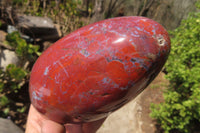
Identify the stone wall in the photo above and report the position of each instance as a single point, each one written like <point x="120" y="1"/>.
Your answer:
<point x="167" y="12"/>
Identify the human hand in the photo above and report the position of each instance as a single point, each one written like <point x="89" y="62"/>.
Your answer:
<point x="38" y="123"/>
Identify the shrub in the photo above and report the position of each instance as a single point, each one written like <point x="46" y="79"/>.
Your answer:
<point x="14" y="80"/>
<point x="181" y="110"/>
<point x="25" y="51"/>
<point x="11" y="82"/>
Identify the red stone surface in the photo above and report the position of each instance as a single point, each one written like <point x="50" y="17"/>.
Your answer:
<point x="97" y="69"/>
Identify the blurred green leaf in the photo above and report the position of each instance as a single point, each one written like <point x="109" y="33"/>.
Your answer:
<point x="21" y="110"/>
<point x="6" y="111"/>
<point x="1" y="86"/>
<point x="12" y="39"/>
<point x="4" y="100"/>
<point x="16" y="72"/>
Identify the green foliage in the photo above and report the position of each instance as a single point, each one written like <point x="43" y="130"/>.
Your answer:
<point x="23" y="50"/>
<point x="18" y="2"/>
<point x="12" y="39"/>
<point x="21" y="110"/>
<point x="15" y="73"/>
<point x="13" y="79"/>
<point x="4" y="101"/>
<point x="11" y="82"/>
<point x="181" y="110"/>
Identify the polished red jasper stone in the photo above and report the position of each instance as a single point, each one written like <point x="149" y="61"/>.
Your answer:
<point x="97" y="69"/>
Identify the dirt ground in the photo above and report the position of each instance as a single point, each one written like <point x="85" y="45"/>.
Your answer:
<point x="134" y="116"/>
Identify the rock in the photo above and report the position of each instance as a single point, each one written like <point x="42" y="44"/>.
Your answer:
<point x="37" y="27"/>
<point x="2" y="35"/>
<point x="123" y="120"/>
<point x="169" y="13"/>
<point x="7" y="57"/>
<point x="34" y="21"/>
<point x="11" y="29"/>
<point x="107" y="64"/>
<point x="7" y="126"/>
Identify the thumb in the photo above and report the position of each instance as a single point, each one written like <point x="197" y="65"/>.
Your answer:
<point x="49" y="126"/>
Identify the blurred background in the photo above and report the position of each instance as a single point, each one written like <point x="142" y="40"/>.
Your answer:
<point x="170" y="104"/>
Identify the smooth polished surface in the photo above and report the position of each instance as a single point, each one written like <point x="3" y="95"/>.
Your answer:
<point x="97" y="69"/>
